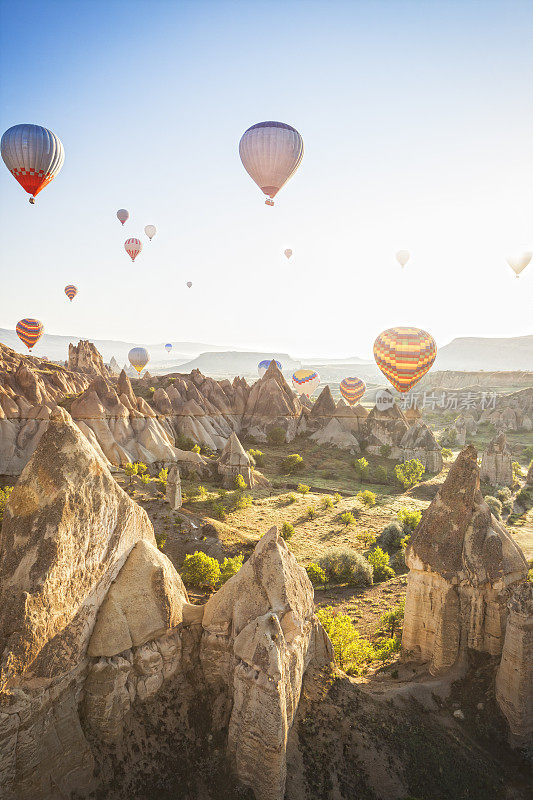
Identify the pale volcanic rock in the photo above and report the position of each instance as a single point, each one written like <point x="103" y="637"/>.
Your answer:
<point x="462" y="563"/>
<point x="334" y="434"/>
<point x="271" y="403"/>
<point x="497" y="463"/>
<point x="84" y="357"/>
<point x="235" y="461"/>
<point x="419" y="442"/>
<point x="324" y="406"/>
<point x="385" y="427"/>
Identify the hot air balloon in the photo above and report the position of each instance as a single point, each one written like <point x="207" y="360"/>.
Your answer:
<point x="150" y="231"/>
<point x="123" y="215"/>
<point x="139" y="358"/>
<point x="71" y="292"/>
<point x="402" y="257"/>
<point x="305" y="381"/>
<point x="29" y="331"/>
<point x="168" y="347"/>
<point x="33" y="155"/>
<point x="189" y="284"/>
<point x="271" y="153"/>
<point x="288" y="253"/>
<point x="352" y="389"/>
<point x="133" y="247"/>
<point x="519" y="263"/>
<point x="264" y="365"/>
<point x="404" y="355"/>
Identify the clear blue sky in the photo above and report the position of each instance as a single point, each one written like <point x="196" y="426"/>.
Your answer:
<point x="418" y="128"/>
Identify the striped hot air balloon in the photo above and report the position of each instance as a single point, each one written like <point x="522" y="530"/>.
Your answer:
<point x="123" y="215"/>
<point x="133" y="247"/>
<point x="139" y="358"/>
<point x="264" y="365"/>
<point x="71" y="292"/>
<point x="404" y="355"/>
<point x="305" y="381"/>
<point x="168" y="347"/>
<point x="29" y="331"/>
<point x="271" y="152"/>
<point x="352" y="389"/>
<point x="33" y="155"/>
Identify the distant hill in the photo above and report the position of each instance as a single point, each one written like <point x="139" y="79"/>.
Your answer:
<point x="475" y="353"/>
<point x="233" y="362"/>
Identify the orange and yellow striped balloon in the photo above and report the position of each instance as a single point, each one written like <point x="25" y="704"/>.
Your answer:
<point x="404" y="355"/>
<point x="29" y="331"/>
<point x="71" y="292"/>
<point x="352" y="389"/>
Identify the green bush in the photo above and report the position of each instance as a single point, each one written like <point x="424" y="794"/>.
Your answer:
<point x="4" y="497"/>
<point x="381" y="474"/>
<point x="302" y="488"/>
<point x="291" y="498"/>
<point x="361" y="468"/>
<point x="130" y="470"/>
<point x="384" y="648"/>
<point x="505" y="497"/>
<point x="258" y="457"/>
<point x="385" y="450"/>
<point x="276" y="436"/>
<point x="160" y="539"/>
<point x="391" y="621"/>
<point x="292" y="463"/>
<point x="409" y="518"/>
<point x="347" y="518"/>
<point x="310" y="512"/>
<point x="239" y="482"/>
<point x="184" y="442"/>
<point x="141" y="467"/>
<point x="327" y="502"/>
<point x="344" y="565"/>
<point x="145" y="478"/>
<point x="495" y="506"/>
<point x="197" y="449"/>
<point x="219" y="511"/>
<point x="367" y="498"/>
<point x="202" y="493"/>
<point x="446" y="454"/>
<point x="163" y="477"/>
<point x="391" y="536"/>
<point x="287" y="530"/>
<point x="352" y="652"/>
<point x="517" y="471"/>
<point x="410" y="472"/>
<point x="337" y="498"/>
<point x="379" y="560"/>
<point x="230" y="567"/>
<point x="242" y="501"/>
<point x="200" y="571"/>
<point x="316" y="574"/>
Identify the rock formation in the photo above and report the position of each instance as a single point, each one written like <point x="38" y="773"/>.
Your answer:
<point x="462" y="564"/>
<point x="114" y="367"/>
<point x="385" y="428"/>
<point x="419" y="442"/>
<point x="235" y="461"/>
<point x="100" y="646"/>
<point x="270" y="404"/>
<point x="464" y="425"/>
<point x="497" y="463"/>
<point x="529" y="476"/>
<point x="173" y="491"/>
<point x="84" y="357"/>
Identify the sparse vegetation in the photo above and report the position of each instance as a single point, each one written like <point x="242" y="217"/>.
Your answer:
<point x="327" y="502"/>
<point x="302" y="488"/>
<point x="409" y="473"/>
<point x="276" y="436"/>
<point x="4" y="497"/>
<point x="367" y="498"/>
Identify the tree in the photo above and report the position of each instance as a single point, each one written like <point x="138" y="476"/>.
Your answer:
<point x="409" y="518"/>
<point x="292" y="463"/>
<point x="257" y="456"/>
<point x="230" y="567"/>
<point x="361" y="468"/>
<point x="131" y="470"/>
<point x="367" y="498"/>
<point x="200" y="571"/>
<point x="345" y="565"/>
<point x="352" y="652"/>
<point x="391" y="621"/>
<point x="163" y="477"/>
<point x="379" y="560"/>
<point x="410" y="472"/>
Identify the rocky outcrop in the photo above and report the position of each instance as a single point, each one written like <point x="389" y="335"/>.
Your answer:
<point x="419" y="442"/>
<point x="497" y="463"/>
<point x="385" y="428"/>
<point x="334" y="434"/>
<point x="173" y="490"/>
<point x="270" y="404"/>
<point x="462" y="564"/>
<point x="464" y="425"/>
<point x="235" y="461"/>
<point x="84" y="357"/>
<point x="514" y="681"/>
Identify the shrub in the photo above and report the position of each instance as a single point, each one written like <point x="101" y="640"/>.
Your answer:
<point x="258" y="457"/>
<point x="163" y="477"/>
<point x="524" y="498"/>
<point x="310" y="512"/>
<point x="392" y="620"/>
<point x="200" y="571"/>
<point x="230" y="567"/>
<point x="145" y="478"/>
<point x="276" y="436"/>
<point x="367" y="498"/>
<point x="239" y="482"/>
<point x="219" y="511"/>
<point x="202" y="493"/>
<point x="446" y="453"/>
<point x="243" y="501"/>
<point x="495" y="506"/>
<point x="141" y="467"/>
<point x="448" y="438"/>
<point x="385" y="450"/>
<point x="361" y="467"/>
<point x="287" y="531"/>
<point x="344" y="565"/>
<point x="384" y="648"/>
<point x="517" y="471"/>
<point x="316" y="574"/>
<point x="381" y="475"/>
<point x="347" y="518"/>
<point x="196" y="449"/>
<point x="409" y="519"/>
<point x="184" y="442"/>
<point x="160" y="539"/>
<point x="397" y="562"/>
<point x="391" y="536"/>
<point x="302" y="488"/>
<point x="327" y="502"/>
<point x="130" y="470"/>
<point x="379" y="560"/>
<point x="337" y="498"/>
<point x="291" y="498"/>
<point x="505" y="497"/>
<point x="4" y="497"/>
<point x="352" y="652"/>
<point x="410" y="472"/>
<point x="292" y="463"/>
<point x="367" y="538"/>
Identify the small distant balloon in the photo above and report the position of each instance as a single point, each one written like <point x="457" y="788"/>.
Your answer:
<point x="133" y="247"/>
<point x="29" y="331"/>
<point x="189" y="284"/>
<point x="264" y="365"/>
<point x="519" y="263"/>
<point x="168" y="347"/>
<point x="305" y="381"/>
<point x="271" y="152"/>
<point x="139" y="358"/>
<point x="150" y="231"/>
<point x="288" y="253"/>
<point x="123" y="215"/>
<point x="71" y="292"/>
<point x="352" y="389"/>
<point x="33" y="155"/>
<point x="402" y="257"/>
<point x="404" y="355"/>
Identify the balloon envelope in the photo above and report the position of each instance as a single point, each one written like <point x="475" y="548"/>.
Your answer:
<point x="189" y="284"/>
<point x="150" y="231"/>
<point x="168" y="347"/>
<point x="33" y="155"/>
<point x="133" y="247"/>
<point x="402" y="257"/>
<point x="519" y="263"/>
<point x="139" y="358"/>
<point x="29" y="331"/>
<point x="264" y="365"/>
<point x="271" y="152"/>
<point x="404" y="355"/>
<point x="122" y="215"/>
<point x="352" y="389"/>
<point x="305" y="381"/>
<point x="71" y="292"/>
<point x="288" y="253"/>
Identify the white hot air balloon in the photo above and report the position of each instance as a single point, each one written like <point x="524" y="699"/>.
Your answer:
<point x="139" y="358"/>
<point x="519" y="263"/>
<point x="288" y="253"/>
<point x="122" y="215"/>
<point x="133" y="247"/>
<point x="150" y="231"/>
<point x="271" y="152"/>
<point x="189" y="284"/>
<point x="402" y="257"/>
<point x="33" y="155"/>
